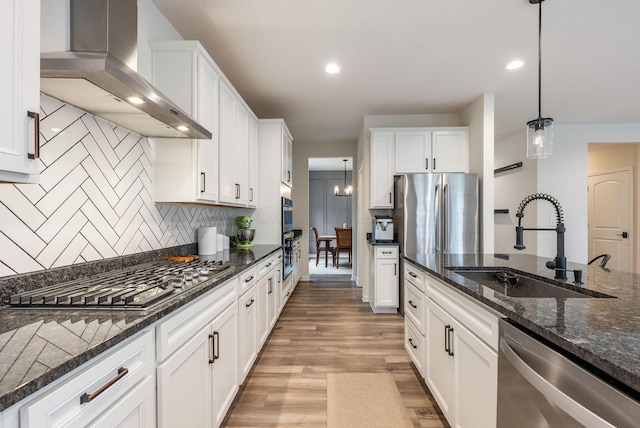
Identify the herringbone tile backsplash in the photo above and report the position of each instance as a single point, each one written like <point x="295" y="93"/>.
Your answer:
<point x="94" y="200"/>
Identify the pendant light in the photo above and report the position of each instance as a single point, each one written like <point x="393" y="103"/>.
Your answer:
<point x="540" y="130"/>
<point x="347" y="191"/>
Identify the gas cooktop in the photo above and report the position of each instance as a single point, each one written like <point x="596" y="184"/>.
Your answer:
<point x="138" y="287"/>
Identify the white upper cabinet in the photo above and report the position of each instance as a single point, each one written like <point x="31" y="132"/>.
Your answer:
<point x="287" y="159"/>
<point x="450" y="150"/>
<point x="432" y="150"/>
<point x="253" y="162"/>
<point x="187" y="170"/>
<point x="234" y="148"/>
<point x="382" y="143"/>
<point x="20" y="83"/>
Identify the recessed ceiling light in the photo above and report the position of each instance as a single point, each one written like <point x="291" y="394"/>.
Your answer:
<point x="332" y="69"/>
<point x="182" y="128"/>
<point x="513" y="65"/>
<point x="135" y="100"/>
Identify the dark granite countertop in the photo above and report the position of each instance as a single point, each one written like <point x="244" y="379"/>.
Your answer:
<point x="39" y="346"/>
<point x="603" y="332"/>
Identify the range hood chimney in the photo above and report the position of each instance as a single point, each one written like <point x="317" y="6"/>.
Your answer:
<point x="95" y="77"/>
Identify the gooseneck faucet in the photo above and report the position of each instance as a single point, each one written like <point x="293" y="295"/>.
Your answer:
<point x="560" y="262"/>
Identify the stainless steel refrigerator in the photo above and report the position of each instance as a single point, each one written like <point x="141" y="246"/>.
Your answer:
<point x="436" y="214"/>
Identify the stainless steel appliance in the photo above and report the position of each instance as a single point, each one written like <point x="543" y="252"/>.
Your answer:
<point x="287" y="236"/>
<point x="139" y="287"/>
<point x="539" y="387"/>
<point x="436" y="214"/>
<point x="382" y="228"/>
<point x="94" y="74"/>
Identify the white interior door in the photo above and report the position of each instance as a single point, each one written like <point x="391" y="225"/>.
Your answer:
<point x="611" y="218"/>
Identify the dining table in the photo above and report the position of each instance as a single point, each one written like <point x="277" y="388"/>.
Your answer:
<point x="326" y="239"/>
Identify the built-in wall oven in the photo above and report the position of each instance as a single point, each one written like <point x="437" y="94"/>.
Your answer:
<point x="287" y="236"/>
<point x="539" y="387"/>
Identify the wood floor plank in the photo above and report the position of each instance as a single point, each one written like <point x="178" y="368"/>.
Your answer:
<point x="326" y="328"/>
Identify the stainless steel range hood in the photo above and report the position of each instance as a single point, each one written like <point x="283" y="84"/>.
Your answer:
<point x="95" y="77"/>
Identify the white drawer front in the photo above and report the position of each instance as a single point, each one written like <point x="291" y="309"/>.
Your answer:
<point x="77" y="401"/>
<point x="414" y="304"/>
<point x="267" y="265"/>
<point x="414" y="275"/>
<point x="179" y="327"/>
<point x="476" y="318"/>
<point x="414" y="344"/>
<point x="386" y="252"/>
<point x="247" y="279"/>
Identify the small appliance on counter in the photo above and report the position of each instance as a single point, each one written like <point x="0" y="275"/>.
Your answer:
<point x="245" y="234"/>
<point x="382" y="228"/>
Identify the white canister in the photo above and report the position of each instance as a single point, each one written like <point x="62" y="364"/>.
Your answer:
<point x="207" y="240"/>
<point x="226" y="242"/>
<point x="220" y="242"/>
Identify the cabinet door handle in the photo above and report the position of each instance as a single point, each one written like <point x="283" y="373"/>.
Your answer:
<point x="412" y="305"/>
<point x="249" y="304"/>
<point x="450" y="341"/>
<point x="427" y="163"/>
<point x="395" y="269"/>
<point x="389" y="197"/>
<point x="237" y="191"/>
<point x="446" y="338"/>
<point x="87" y="398"/>
<point x="412" y="274"/>
<point x="411" y="342"/>
<point x="434" y="164"/>
<point x="36" y="137"/>
<point x="203" y="182"/>
<point x="251" y="193"/>
<point x="288" y="176"/>
<point x="270" y="288"/>
<point x="215" y="343"/>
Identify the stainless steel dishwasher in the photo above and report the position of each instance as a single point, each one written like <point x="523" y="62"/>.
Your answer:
<point x="539" y="387"/>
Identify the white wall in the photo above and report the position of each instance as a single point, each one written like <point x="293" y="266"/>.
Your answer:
<point x="479" y="117"/>
<point x="564" y="176"/>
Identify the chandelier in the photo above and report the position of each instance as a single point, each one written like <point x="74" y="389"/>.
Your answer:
<point x="346" y="190"/>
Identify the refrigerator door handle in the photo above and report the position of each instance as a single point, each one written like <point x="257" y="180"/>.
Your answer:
<point x="437" y="217"/>
<point x="445" y="218"/>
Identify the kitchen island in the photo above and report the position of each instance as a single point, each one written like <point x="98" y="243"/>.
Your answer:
<point x="602" y="332"/>
<point x="39" y="346"/>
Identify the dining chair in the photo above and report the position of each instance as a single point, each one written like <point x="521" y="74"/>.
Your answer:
<point x="343" y="243"/>
<point x="326" y="247"/>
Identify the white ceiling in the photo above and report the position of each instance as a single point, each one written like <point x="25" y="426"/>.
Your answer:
<point x="330" y="164"/>
<point x="420" y="57"/>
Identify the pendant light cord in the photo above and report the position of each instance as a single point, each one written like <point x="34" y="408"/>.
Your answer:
<point x="540" y="59"/>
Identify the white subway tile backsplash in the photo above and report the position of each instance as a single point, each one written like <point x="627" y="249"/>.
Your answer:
<point x="94" y="200"/>
<point x="15" y="201"/>
<point x="57" y="221"/>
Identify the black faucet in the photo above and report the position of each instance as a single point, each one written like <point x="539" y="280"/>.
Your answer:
<point x="559" y="264"/>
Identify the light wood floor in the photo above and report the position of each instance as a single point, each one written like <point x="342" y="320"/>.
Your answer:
<point x="325" y="328"/>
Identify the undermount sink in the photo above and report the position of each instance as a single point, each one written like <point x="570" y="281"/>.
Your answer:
<point x="514" y="284"/>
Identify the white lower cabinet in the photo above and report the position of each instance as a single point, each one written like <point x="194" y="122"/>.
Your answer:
<point x="266" y="310"/>
<point x="117" y="389"/>
<point x="384" y="292"/>
<point x="248" y="317"/>
<point x="461" y="365"/>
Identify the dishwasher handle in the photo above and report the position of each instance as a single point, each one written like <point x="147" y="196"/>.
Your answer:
<point x="556" y="397"/>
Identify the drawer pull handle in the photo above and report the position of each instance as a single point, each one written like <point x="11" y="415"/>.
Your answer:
<point x="249" y="279"/>
<point x="87" y="398"/>
<point x="413" y="274"/>
<point x="249" y="304"/>
<point x="269" y="264"/>
<point x="386" y="252"/>
<point x="412" y="305"/>
<point x="411" y="342"/>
